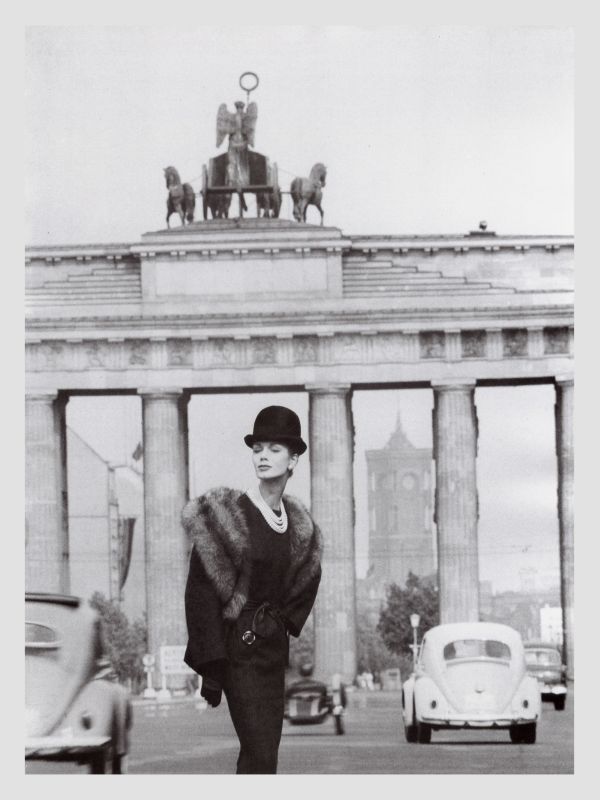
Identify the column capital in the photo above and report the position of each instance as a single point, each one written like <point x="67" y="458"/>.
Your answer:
<point x="156" y="392"/>
<point x="328" y="388"/>
<point x="453" y="384"/>
<point x="564" y="380"/>
<point x="41" y="395"/>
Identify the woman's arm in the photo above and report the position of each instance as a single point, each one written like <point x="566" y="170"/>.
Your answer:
<point x="204" y="617"/>
<point x="295" y="612"/>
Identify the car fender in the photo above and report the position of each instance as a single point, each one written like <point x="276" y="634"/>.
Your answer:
<point x="408" y="690"/>
<point x="426" y="692"/>
<point x="528" y="690"/>
<point x="102" y="708"/>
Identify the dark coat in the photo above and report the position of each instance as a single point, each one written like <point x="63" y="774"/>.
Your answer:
<point x="220" y="567"/>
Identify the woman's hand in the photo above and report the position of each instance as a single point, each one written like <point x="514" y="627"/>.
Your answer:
<point x="211" y="691"/>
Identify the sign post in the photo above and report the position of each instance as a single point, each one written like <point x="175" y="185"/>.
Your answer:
<point x="171" y="663"/>
<point x="148" y="662"/>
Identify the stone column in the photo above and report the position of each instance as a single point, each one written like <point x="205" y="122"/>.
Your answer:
<point x="565" y="456"/>
<point x="331" y="436"/>
<point x="456" y="505"/>
<point x="46" y="516"/>
<point x="164" y="415"/>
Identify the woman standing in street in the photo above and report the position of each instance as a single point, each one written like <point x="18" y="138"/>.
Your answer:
<point x="254" y="572"/>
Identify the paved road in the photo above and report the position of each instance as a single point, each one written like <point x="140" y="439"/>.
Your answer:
<point x="184" y="738"/>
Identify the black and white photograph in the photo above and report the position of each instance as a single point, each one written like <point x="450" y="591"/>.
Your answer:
<point x="299" y="398"/>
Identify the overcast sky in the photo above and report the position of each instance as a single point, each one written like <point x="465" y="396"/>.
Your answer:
<point x="423" y="130"/>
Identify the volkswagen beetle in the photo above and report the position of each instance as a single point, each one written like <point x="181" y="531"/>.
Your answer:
<point x="471" y="675"/>
<point x="545" y="664"/>
<point x="74" y="710"/>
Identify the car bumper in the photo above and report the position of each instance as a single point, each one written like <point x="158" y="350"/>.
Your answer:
<point x="477" y="721"/>
<point x="553" y="689"/>
<point x="59" y="747"/>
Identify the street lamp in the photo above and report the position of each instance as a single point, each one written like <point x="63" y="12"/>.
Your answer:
<point x="414" y="622"/>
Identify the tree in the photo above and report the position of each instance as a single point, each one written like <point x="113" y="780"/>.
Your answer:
<point x="125" y="642"/>
<point x="420" y="596"/>
<point x="372" y="653"/>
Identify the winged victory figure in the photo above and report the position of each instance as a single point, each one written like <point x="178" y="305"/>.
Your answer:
<point x="240" y="126"/>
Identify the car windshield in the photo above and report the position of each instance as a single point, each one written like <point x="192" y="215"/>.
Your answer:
<point x="543" y="657"/>
<point x="476" y="648"/>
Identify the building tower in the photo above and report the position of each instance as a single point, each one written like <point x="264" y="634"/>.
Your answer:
<point x="400" y="497"/>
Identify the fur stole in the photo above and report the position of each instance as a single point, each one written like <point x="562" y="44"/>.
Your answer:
<point x="218" y="530"/>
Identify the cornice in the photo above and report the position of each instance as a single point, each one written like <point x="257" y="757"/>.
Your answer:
<point x="298" y="240"/>
<point x="303" y="323"/>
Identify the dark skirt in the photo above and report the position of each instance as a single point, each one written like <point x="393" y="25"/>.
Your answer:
<point x="254" y="688"/>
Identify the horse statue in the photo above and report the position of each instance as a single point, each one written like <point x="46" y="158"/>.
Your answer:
<point x="181" y="199"/>
<point x="307" y="192"/>
<point x="268" y="204"/>
<point x="219" y="205"/>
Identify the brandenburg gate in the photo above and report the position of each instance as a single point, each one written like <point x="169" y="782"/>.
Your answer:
<point x="270" y="304"/>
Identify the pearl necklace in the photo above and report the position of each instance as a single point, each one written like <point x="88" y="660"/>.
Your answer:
<point x="279" y="524"/>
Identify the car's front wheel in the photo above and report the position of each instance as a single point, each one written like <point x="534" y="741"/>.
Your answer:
<point x="559" y="702"/>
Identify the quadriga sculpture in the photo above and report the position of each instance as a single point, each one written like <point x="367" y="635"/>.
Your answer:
<point x="308" y="192"/>
<point x="181" y="199"/>
<point x="219" y="205"/>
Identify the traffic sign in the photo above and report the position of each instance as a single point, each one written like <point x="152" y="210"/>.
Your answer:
<point x="171" y="660"/>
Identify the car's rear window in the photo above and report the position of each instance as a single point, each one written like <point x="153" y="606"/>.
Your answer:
<point x="38" y="635"/>
<point x="544" y="657"/>
<point x="476" y="648"/>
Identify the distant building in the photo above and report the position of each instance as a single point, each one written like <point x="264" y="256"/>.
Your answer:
<point x="551" y="624"/>
<point x="521" y="610"/>
<point x="400" y="501"/>
<point x="106" y="528"/>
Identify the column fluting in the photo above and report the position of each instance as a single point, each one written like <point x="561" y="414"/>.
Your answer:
<point x="331" y="435"/>
<point x="46" y="518"/>
<point x="456" y="504"/>
<point x="164" y="414"/>
<point x="565" y="456"/>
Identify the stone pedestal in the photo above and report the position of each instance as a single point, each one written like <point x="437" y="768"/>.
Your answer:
<point x="565" y="456"/>
<point x="165" y="493"/>
<point x="46" y="517"/>
<point x="456" y="507"/>
<point x="331" y="455"/>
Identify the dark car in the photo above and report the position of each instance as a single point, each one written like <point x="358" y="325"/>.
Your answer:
<point x="544" y="662"/>
<point x="309" y="701"/>
<point x="74" y="709"/>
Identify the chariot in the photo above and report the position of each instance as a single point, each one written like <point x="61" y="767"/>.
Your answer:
<point x="263" y="182"/>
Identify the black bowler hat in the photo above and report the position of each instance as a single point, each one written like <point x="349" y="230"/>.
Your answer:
<point x="277" y="424"/>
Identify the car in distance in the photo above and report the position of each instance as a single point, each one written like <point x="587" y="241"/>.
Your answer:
<point x="310" y="702"/>
<point x="471" y="675"/>
<point x="544" y="662"/>
<point x="74" y="710"/>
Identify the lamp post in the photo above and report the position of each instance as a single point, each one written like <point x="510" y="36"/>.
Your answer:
<point x="414" y="622"/>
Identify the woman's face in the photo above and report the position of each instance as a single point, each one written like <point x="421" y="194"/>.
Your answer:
<point x="272" y="460"/>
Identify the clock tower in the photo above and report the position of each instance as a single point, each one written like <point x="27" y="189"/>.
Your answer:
<point x="400" y="498"/>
